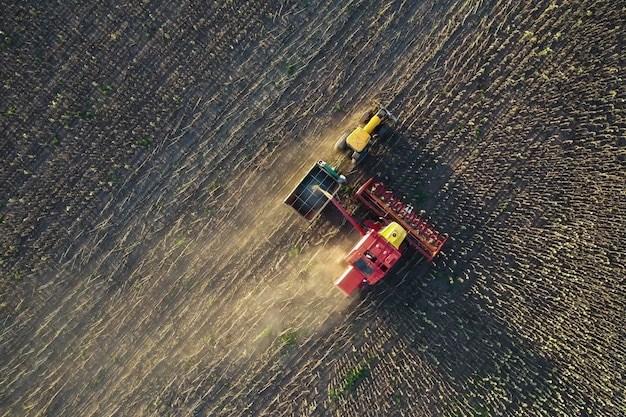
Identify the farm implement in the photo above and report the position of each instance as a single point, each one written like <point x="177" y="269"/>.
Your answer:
<point x="383" y="241"/>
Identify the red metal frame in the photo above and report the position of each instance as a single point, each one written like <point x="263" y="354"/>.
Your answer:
<point x="347" y="215"/>
<point x="381" y="201"/>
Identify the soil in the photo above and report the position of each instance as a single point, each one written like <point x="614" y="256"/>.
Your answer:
<point x="148" y="265"/>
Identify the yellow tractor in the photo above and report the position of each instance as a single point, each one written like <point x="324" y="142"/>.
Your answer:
<point x="374" y="124"/>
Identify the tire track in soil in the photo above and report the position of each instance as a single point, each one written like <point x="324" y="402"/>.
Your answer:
<point x="218" y="407"/>
<point x="493" y="194"/>
<point x="497" y="191"/>
<point x="496" y="340"/>
<point x="86" y="343"/>
<point x="248" y="310"/>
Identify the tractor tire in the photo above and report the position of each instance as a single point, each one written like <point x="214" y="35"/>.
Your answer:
<point x="365" y="118"/>
<point x="384" y="131"/>
<point x="358" y="157"/>
<point x="341" y="144"/>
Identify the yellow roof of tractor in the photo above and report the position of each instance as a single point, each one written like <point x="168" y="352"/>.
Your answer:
<point x="374" y="124"/>
<point x="360" y="137"/>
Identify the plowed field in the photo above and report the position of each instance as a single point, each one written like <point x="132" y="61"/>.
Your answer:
<point x="149" y="267"/>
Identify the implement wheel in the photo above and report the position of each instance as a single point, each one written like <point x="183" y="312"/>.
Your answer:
<point x="341" y="144"/>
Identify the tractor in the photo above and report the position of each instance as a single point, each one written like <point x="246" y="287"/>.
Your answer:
<point x="373" y="124"/>
<point x="383" y="241"/>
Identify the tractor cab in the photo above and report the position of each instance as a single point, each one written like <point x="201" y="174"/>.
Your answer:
<point x="372" y="257"/>
<point x="372" y="123"/>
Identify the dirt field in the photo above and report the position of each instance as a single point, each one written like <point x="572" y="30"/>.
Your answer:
<point x="149" y="267"/>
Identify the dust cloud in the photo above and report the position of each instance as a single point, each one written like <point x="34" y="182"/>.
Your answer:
<point x="282" y="288"/>
<point x="301" y="300"/>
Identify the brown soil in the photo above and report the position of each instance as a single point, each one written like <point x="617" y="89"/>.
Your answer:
<point x="149" y="267"/>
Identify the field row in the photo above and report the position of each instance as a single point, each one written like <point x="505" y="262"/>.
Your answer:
<point x="149" y="266"/>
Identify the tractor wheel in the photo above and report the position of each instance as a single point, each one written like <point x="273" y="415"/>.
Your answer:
<point x="358" y="157"/>
<point x="384" y="131"/>
<point x="341" y="144"/>
<point x="365" y="118"/>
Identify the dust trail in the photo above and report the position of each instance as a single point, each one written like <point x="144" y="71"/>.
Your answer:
<point x="303" y="299"/>
<point x="295" y="292"/>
